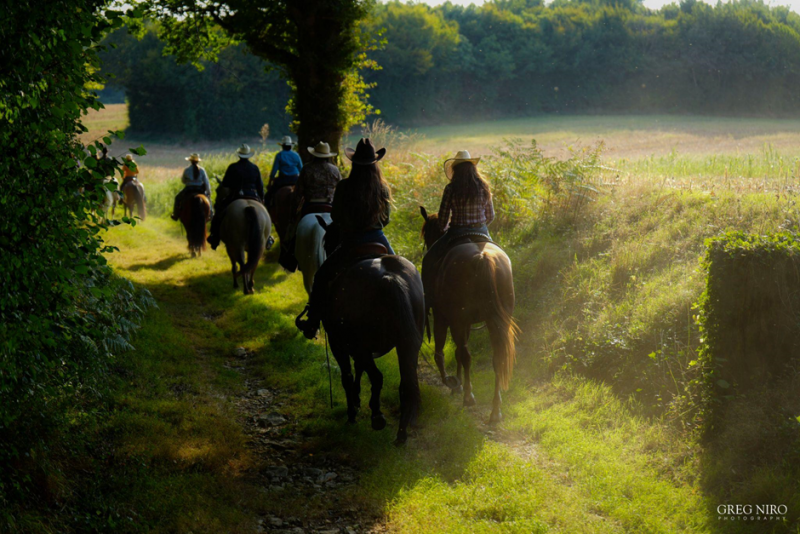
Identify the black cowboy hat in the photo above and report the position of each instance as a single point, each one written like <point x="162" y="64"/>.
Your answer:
<point x="365" y="153"/>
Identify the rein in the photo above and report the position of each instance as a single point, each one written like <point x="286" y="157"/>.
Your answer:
<point x="330" y="380"/>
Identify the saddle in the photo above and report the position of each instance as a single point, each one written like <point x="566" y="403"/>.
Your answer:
<point x="355" y="254"/>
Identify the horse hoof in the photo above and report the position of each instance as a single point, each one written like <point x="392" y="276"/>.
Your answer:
<point x="401" y="439"/>
<point x="469" y="400"/>
<point x="378" y="422"/>
<point x="495" y="418"/>
<point x="452" y="382"/>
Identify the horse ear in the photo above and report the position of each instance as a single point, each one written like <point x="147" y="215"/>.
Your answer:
<point x="322" y="222"/>
<point x="424" y="212"/>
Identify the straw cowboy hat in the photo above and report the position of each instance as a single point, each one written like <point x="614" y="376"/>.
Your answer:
<point x="245" y="151"/>
<point x="322" y="150"/>
<point x="129" y="157"/>
<point x="286" y="141"/>
<point x="365" y="153"/>
<point x="194" y="157"/>
<point x="461" y="157"/>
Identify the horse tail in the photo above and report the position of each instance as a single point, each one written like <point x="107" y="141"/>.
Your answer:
<point x="197" y="225"/>
<point x="503" y="330"/>
<point x="409" y="332"/>
<point x="255" y="239"/>
<point x="140" y="203"/>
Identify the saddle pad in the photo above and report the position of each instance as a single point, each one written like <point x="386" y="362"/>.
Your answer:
<point x="475" y="237"/>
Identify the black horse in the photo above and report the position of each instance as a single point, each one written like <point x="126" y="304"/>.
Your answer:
<point x="374" y="305"/>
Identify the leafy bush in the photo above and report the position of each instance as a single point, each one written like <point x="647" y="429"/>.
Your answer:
<point x="62" y="315"/>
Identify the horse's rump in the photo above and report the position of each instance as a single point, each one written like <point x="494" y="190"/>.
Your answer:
<point x="194" y="214"/>
<point x="377" y="304"/>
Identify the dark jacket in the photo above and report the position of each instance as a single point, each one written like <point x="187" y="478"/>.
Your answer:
<point x="243" y="178"/>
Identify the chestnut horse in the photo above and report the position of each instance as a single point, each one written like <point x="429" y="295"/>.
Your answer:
<point x="376" y="304"/>
<point x="474" y="285"/>
<point x="194" y="215"/>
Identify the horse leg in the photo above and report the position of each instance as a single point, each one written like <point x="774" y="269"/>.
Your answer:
<point x="348" y="383"/>
<point x="407" y="359"/>
<point x="461" y="337"/>
<point x="376" y="382"/>
<point x="359" y="370"/>
<point x="498" y="352"/>
<point x="440" y="338"/>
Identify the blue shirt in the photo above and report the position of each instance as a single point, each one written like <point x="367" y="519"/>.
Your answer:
<point x="287" y="162"/>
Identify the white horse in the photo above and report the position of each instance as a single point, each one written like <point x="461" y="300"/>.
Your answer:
<point x="308" y="247"/>
<point x="110" y="201"/>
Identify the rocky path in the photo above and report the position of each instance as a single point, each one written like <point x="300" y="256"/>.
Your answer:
<point x="292" y="468"/>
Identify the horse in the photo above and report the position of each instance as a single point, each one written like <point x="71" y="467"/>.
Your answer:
<point x="374" y="305"/>
<point x="309" y="249"/>
<point x="474" y="285"/>
<point x="282" y="209"/>
<point x="194" y="215"/>
<point x="133" y="195"/>
<point x="246" y="227"/>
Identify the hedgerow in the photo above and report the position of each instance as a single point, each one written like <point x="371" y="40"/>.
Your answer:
<point x="62" y="313"/>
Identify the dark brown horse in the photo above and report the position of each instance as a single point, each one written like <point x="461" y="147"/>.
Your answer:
<point x="376" y="305"/>
<point x="194" y="215"/>
<point x="474" y="285"/>
<point x="282" y="210"/>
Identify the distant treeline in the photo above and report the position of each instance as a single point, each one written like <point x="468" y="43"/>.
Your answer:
<point x="505" y="58"/>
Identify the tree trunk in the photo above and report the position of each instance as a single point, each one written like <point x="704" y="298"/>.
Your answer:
<point x="317" y="107"/>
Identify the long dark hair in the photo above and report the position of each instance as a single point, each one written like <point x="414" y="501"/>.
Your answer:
<point x="195" y="169"/>
<point x="467" y="183"/>
<point x="372" y="194"/>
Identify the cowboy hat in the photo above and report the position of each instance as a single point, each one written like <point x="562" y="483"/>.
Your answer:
<point x="461" y="157"/>
<point x="286" y="141"/>
<point x="365" y="153"/>
<point x="129" y="157"/>
<point x="194" y="157"/>
<point x="322" y="150"/>
<point x="245" y="151"/>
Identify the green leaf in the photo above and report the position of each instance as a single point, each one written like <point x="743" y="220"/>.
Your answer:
<point x="140" y="151"/>
<point x="723" y="384"/>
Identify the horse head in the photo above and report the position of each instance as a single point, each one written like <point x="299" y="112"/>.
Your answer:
<point x="430" y="228"/>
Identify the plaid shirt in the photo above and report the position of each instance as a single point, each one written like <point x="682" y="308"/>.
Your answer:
<point x="318" y="181"/>
<point x="474" y="211"/>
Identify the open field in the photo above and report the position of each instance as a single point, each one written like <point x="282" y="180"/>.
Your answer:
<point x="626" y="139"/>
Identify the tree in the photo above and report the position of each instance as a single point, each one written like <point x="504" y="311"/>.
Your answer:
<point x="316" y="44"/>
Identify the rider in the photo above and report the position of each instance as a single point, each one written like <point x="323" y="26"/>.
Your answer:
<point x="466" y="206"/>
<point x="288" y="163"/>
<point x="361" y="209"/>
<point x="130" y="171"/>
<point x="242" y="180"/>
<point x="313" y="194"/>
<point x="195" y="180"/>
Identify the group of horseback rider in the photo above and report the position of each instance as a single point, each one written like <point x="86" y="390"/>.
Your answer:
<point x="360" y="206"/>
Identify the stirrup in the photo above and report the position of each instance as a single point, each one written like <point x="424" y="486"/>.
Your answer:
<point x="308" y="326"/>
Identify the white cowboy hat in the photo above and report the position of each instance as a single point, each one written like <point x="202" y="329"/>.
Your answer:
<point x="287" y="140"/>
<point x="195" y="157"/>
<point x="461" y="157"/>
<point x="245" y="151"/>
<point x="129" y="157"/>
<point x="322" y="150"/>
